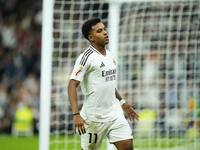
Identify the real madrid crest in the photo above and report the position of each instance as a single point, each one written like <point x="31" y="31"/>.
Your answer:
<point x="91" y="147"/>
<point x="114" y="61"/>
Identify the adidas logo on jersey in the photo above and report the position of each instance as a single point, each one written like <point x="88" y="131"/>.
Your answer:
<point x="102" y="65"/>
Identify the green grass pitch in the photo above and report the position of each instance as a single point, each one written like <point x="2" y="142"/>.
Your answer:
<point x="7" y="142"/>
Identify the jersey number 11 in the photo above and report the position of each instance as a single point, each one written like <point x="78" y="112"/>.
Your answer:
<point x="90" y="139"/>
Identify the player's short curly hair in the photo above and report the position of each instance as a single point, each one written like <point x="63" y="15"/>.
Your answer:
<point x="87" y="26"/>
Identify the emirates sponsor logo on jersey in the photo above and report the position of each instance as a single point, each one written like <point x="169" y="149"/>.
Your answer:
<point x="108" y="72"/>
<point x="109" y="75"/>
<point x="78" y="70"/>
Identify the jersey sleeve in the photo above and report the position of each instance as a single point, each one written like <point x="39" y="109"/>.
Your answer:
<point x="79" y="69"/>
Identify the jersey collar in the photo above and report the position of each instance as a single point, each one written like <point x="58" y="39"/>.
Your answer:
<point x="95" y="49"/>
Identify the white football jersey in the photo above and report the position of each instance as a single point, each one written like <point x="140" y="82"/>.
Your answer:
<point x="97" y="74"/>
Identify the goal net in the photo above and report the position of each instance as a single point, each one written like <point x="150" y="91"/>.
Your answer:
<point x="158" y="60"/>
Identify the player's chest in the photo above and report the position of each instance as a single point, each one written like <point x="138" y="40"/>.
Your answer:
<point x="104" y="66"/>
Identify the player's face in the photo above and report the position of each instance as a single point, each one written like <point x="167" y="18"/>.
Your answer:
<point x="99" y="35"/>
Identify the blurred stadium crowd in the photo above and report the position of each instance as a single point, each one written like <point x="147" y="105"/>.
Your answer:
<point x="164" y="64"/>
<point x="169" y="79"/>
<point x="20" y="50"/>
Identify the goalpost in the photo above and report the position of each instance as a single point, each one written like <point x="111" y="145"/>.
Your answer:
<point x="157" y="48"/>
<point x="46" y="64"/>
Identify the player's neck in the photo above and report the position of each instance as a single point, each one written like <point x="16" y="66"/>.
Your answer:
<point x="101" y="49"/>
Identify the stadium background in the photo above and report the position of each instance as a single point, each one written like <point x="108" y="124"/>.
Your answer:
<point x="20" y="60"/>
<point x="20" y="57"/>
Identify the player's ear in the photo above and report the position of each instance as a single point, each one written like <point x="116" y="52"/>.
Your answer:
<point x="90" y="37"/>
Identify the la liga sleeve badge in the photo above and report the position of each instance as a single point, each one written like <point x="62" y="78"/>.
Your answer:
<point x="78" y="70"/>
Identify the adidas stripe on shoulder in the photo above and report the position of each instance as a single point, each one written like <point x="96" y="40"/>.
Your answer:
<point x="85" y="56"/>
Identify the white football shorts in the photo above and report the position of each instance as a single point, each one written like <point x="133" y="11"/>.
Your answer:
<point x="116" y="130"/>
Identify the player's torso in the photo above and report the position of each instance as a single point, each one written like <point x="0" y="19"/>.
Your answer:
<point x="102" y="74"/>
<point x="99" y="83"/>
<point x="104" y="68"/>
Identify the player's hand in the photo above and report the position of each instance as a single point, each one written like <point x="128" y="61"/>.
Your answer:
<point x="79" y="124"/>
<point x="128" y="109"/>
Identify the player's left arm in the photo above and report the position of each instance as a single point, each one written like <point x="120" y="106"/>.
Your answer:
<point x="128" y="109"/>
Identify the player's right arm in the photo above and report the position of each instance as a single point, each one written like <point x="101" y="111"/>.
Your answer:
<point x="78" y="120"/>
